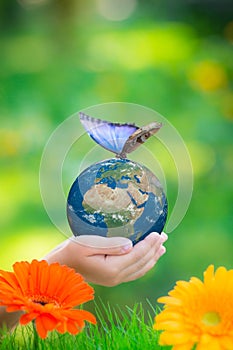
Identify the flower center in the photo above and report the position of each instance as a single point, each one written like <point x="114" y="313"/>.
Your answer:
<point x="43" y="300"/>
<point x="211" y="318"/>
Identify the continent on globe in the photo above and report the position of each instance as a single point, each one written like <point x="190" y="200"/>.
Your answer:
<point x="117" y="197"/>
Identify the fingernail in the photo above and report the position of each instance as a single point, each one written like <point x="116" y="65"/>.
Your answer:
<point x="126" y="248"/>
<point x="162" y="251"/>
<point x="164" y="237"/>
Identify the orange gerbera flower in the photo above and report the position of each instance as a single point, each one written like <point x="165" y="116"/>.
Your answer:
<point x="199" y="313"/>
<point x="48" y="295"/>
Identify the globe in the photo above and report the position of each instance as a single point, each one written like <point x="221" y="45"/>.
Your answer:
<point x="117" y="197"/>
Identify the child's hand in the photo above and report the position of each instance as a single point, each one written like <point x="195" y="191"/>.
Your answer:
<point x="109" y="261"/>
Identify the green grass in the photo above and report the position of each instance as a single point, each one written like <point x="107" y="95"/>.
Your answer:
<point x="115" y="329"/>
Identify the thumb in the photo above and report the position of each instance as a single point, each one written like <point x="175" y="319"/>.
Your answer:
<point x="104" y="245"/>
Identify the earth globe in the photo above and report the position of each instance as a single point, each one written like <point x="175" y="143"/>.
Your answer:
<point x="117" y="196"/>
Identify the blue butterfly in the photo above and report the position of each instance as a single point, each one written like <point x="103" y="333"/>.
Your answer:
<point x="115" y="137"/>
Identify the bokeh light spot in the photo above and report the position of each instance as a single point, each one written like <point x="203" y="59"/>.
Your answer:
<point x="10" y="143"/>
<point x="116" y="10"/>
<point x="227" y="105"/>
<point x="228" y="32"/>
<point x="208" y="76"/>
<point x="32" y="3"/>
<point x="203" y="157"/>
<point x="140" y="48"/>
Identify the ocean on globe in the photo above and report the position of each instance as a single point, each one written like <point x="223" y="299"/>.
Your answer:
<point x="117" y="197"/>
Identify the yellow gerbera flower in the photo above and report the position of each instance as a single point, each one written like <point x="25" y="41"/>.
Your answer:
<point x="199" y="313"/>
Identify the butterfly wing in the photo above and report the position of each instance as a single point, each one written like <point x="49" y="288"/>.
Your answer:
<point x="112" y="136"/>
<point x="139" y="137"/>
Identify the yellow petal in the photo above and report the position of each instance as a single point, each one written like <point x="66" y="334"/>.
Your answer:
<point x="169" y="315"/>
<point x="170" y="301"/>
<point x="186" y="346"/>
<point x="227" y="341"/>
<point x="209" y="274"/>
<point x="170" y="326"/>
<point x="170" y="338"/>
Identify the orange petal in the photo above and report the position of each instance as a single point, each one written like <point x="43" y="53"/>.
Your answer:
<point x="39" y="276"/>
<point x="28" y="317"/>
<point x="78" y="297"/>
<point x="45" y="323"/>
<point x="61" y="327"/>
<point x="73" y="327"/>
<point x="21" y="270"/>
<point x="8" y="280"/>
<point x="77" y="315"/>
<point x="49" y="321"/>
<point x="41" y="330"/>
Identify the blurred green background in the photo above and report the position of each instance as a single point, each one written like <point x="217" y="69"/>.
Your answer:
<point x="58" y="57"/>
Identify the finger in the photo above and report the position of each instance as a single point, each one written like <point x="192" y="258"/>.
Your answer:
<point x="164" y="237"/>
<point x="161" y="251"/>
<point x="156" y="236"/>
<point x="147" y="267"/>
<point x="139" y="256"/>
<point x="104" y="245"/>
<point x="140" y="259"/>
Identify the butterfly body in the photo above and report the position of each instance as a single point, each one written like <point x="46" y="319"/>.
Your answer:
<point x="116" y="137"/>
